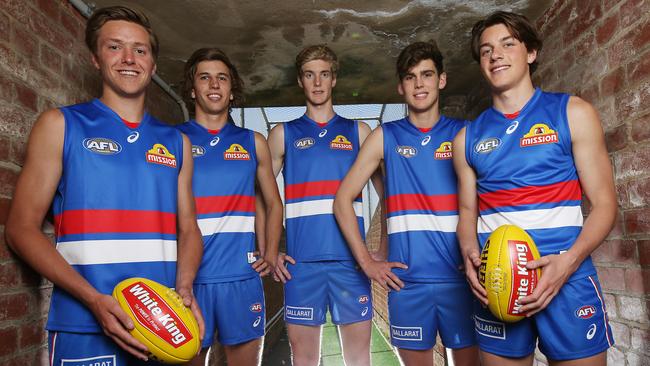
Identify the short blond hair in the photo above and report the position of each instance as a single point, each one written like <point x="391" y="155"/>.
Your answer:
<point x="317" y="52"/>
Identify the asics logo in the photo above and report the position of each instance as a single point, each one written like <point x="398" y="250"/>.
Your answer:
<point x="257" y="321"/>
<point x="214" y="141"/>
<point x="591" y="332"/>
<point x="365" y="311"/>
<point x="323" y="133"/>
<point x="426" y="140"/>
<point x="133" y="137"/>
<point x="513" y="127"/>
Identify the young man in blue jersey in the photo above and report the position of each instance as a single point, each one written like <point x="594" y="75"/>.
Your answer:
<point x="527" y="161"/>
<point x="119" y="184"/>
<point x="228" y="162"/>
<point x="427" y="292"/>
<point x="318" y="270"/>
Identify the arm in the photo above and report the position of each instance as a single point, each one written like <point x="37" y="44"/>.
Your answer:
<point x="467" y="217"/>
<point x="190" y="242"/>
<point x="272" y="201"/>
<point x="597" y="181"/>
<point x="260" y="221"/>
<point x="364" y="166"/>
<point x="35" y="188"/>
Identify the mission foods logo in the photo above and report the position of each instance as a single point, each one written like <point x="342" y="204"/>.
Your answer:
<point x="341" y="142"/>
<point x="487" y="145"/>
<point x="539" y="134"/>
<point x="153" y="313"/>
<point x="304" y="143"/>
<point x="236" y="152"/>
<point x="406" y="151"/>
<point x="102" y="146"/>
<point x="159" y="154"/>
<point x="443" y="152"/>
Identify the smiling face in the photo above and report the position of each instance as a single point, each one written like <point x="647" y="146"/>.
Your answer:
<point x="124" y="58"/>
<point x="421" y="86"/>
<point x="317" y="81"/>
<point x="212" y="88"/>
<point x="504" y="59"/>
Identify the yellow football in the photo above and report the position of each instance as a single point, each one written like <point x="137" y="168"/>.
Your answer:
<point x="162" y="323"/>
<point x="503" y="271"/>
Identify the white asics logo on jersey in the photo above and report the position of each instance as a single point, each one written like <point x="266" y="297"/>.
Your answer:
<point x="591" y="332"/>
<point x="257" y="321"/>
<point x="426" y="140"/>
<point x="214" y="141"/>
<point x="365" y="311"/>
<point x="133" y="137"/>
<point x="322" y="133"/>
<point x="512" y="128"/>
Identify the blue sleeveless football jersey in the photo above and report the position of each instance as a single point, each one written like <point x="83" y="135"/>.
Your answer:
<point x="316" y="161"/>
<point x="115" y="205"/>
<point x="526" y="175"/>
<point x="421" y="200"/>
<point x="225" y="167"/>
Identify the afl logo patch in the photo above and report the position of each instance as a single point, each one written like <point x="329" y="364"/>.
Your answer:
<point x="102" y="146"/>
<point x="487" y="145"/>
<point x="363" y="299"/>
<point x="406" y="151"/>
<point x="304" y="143"/>
<point x="586" y="311"/>
<point x="256" y="308"/>
<point x="444" y="152"/>
<point x="198" y="151"/>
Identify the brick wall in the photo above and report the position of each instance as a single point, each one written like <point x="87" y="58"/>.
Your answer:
<point x="43" y="64"/>
<point x="599" y="51"/>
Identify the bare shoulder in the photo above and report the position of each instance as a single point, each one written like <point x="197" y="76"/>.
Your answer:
<point x="582" y="115"/>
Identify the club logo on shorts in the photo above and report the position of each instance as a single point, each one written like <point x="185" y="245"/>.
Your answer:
<point x="586" y="311"/>
<point x="298" y="313"/>
<point x="539" y="134"/>
<point x="488" y="145"/>
<point x="159" y="154"/>
<point x="341" y="142"/>
<point x="490" y="328"/>
<point x="363" y="299"/>
<point x="108" y="360"/>
<point x="236" y="152"/>
<point x="444" y="151"/>
<point x="406" y="151"/>
<point x="103" y="146"/>
<point x="304" y="143"/>
<point x="406" y="333"/>
<point x="256" y="308"/>
<point x="198" y="151"/>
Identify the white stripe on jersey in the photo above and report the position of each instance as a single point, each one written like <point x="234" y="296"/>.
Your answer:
<point x="227" y="224"/>
<point x="316" y="207"/>
<point x="85" y="252"/>
<point x="551" y="218"/>
<point x="422" y="222"/>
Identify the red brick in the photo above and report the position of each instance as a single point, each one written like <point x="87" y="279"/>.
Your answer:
<point x="9" y="274"/>
<point x="50" y="58"/>
<point x="54" y="35"/>
<point x="14" y="306"/>
<point x="623" y="252"/>
<point x="12" y="62"/>
<point x="4" y="27"/>
<point x="613" y="82"/>
<point x="26" y="97"/>
<point x="607" y="28"/>
<point x="32" y="334"/>
<point x="638" y="192"/>
<point x="635" y="278"/>
<point x="4" y="209"/>
<point x="630" y="164"/>
<point x="643" y="246"/>
<point x="603" y="253"/>
<point x="24" y="41"/>
<point x="18" y="151"/>
<point x="73" y="22"/>
<point x="618" y="230"/>
<point x="609" y="4"/>
<point x="18" y="10"/>
<point x="637" y="221"/>
<point x="633" y="100"/>
<point x="586" y="46"/>
<point x="586" y="13"/>
<point x="641" y="128"/>
<point x="50" y="9"/>
<point x="631" y="10"/>
<point x="622" y="195"/>
<point x="616" y="139"/>
<point x="642" y="36"/>
<point x="9" y="342"/>
<point x="612" y="278"/>
<point x="8" y="179"/>
<point x="639" y="69"/>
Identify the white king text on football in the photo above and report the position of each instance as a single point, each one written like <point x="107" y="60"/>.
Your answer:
<point x="167" y="321"/>
<point x="522" y="275"/>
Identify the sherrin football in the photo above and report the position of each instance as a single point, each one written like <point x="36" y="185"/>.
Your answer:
<point x="161" y="321"/>
<point x="503" y="271"/>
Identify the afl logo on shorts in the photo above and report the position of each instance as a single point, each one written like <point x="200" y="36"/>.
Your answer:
<point x="159" y="154"/>
<point x="363" y="299"/>
<point x="443" y="152"/>
<point x="198" y="151"/>
<point x="539" y="134"/>
<point x="256" y="308"/>
<point x="304" y="143"/>
<point x="341" y="142"/>
<point x="488" y="145"/>
<point x="586" y="312"/>
<point x="406" y="151"/>
<point x="102" y="146"/>
<point x="236" y="152"/>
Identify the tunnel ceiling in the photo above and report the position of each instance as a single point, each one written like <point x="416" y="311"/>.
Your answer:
<point x="262" y="38"/>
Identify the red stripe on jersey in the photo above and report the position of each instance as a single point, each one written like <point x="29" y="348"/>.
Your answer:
<point x="308" y="189"/>
<point x="414" y="201"/>
<point x="215" y="204"/>
<point x="114" y="221"/>
<point x="563" y="191"/>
